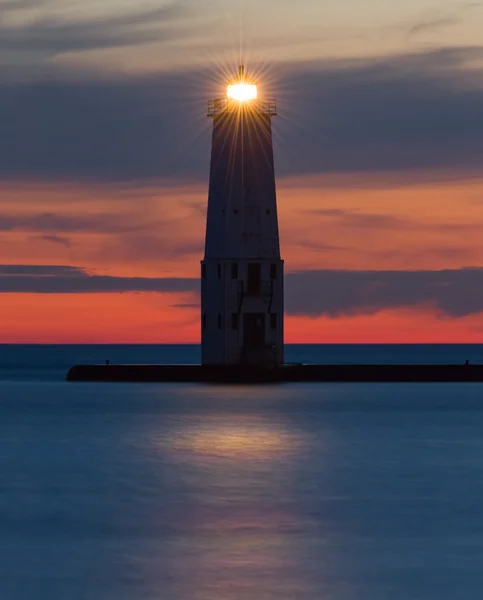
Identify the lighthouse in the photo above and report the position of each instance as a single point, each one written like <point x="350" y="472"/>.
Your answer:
<point x="242" y="304"/>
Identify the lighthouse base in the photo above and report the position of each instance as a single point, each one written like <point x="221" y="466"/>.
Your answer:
<point x="285" y="374"/>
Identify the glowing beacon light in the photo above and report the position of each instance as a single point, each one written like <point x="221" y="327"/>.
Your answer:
<point x="240" y="90"/>
<point x="243" y="92"/>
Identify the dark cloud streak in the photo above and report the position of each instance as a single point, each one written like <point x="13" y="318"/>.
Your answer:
<point x="385" y="222"/>
<point x="432" y="25"/>
<point x="453" y="293"/>
<point x="51" y="222"/>
<point x="449" y="15"/>
<point x="35" y="279"/>
<point x="54" y="239"/>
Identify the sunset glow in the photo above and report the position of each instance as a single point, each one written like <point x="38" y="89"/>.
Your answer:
<point x="105" y="153"/>
<point x="354" y="225"/>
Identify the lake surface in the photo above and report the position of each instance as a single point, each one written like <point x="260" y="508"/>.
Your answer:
<point x="167" y="492"/>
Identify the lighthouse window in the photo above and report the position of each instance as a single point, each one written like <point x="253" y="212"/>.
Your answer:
<point x="219" y="321"/>
<point x="203" y="271"/>
<point x="234" y="271"/>
<point x="203" y="320"/>
<point x="219" y="271"/>
<point x="254" y="278"/>
<point x="234" y="321"/>
<point x="273" y="321"/>
<point x="273" y="271"/>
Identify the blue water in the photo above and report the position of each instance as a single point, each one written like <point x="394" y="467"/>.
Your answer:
<point x="167" y="492"/>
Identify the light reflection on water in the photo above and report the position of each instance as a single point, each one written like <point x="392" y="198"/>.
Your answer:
<point x="221" y="438"/>
<point x="241" y="503"/>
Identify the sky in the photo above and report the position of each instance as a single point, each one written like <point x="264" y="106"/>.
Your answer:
<point x="104" y="162"/>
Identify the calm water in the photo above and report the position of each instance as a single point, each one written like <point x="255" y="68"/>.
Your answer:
<point x="137" y="492"/>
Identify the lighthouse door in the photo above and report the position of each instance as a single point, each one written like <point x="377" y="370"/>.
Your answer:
<point x="253" y="331"/>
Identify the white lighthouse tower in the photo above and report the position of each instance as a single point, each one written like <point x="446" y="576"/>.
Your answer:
<point x="242" y="273"/>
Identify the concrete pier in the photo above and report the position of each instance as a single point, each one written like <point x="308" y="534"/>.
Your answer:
<point x="283" y="374"/>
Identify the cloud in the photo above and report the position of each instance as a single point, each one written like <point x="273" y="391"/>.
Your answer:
<point x="128" y="130"/>
<point x="142" y="247"/>
<point x="52" y="222"/>
<point x="191" y="305"/>
<point x="354" y="218"/>
<point x="125" y="236"/>
<point x="384" y="222"/>
<point x="453" y="293"/>
<point x="318" y="246"/>
<point x="54" y="239"/>
<point x="404" y="113"/>
<point x="447" y="16"/>
<point x="414" y="256"/>
<point x="432" y="25"/>
<point x="53" y="279"/>
<point x="39" y="270"/>
<point x="57" y="34"/>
